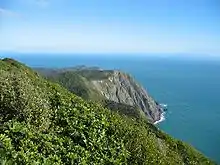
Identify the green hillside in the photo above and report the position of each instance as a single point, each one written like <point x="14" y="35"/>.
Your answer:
<point x="76" y="83"/>
<point x="43" y="123"/>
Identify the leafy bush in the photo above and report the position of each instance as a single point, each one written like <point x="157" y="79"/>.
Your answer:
<point x="43" y="123"/>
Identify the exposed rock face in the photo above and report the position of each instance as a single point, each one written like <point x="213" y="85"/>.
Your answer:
<point x="122" y="88"/>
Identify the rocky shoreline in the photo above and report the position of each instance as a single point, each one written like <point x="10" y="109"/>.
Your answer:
<point x="161" y="118"/>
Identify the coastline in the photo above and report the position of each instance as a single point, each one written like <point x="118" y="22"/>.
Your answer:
<point x="162" y="118"/>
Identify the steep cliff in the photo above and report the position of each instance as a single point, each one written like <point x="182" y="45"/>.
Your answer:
<point x="122" y="88"/>
<point x="111" y="85"/>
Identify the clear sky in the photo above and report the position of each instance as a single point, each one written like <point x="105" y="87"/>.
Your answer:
<point x="91" y="26"/>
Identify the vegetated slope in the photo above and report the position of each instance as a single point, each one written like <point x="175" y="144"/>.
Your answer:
<point x="111" y="85"/>
<point x="43" y="123"/>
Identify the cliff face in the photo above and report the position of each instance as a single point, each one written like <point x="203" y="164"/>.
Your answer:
<point x="122" y="88"/>
<point x="110" y="85"/>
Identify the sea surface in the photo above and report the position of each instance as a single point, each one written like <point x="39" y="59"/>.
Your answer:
<point x="190" y="87"/>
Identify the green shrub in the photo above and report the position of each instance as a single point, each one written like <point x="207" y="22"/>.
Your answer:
<point x="43" y="123"/>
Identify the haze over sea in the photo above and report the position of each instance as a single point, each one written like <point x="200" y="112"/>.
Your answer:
<point x="190" y="87"/>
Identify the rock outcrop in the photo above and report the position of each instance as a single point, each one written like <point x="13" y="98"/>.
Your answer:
<point x="122" y="88"/>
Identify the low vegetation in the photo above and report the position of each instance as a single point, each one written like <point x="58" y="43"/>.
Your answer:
<point x="43" y="123"/>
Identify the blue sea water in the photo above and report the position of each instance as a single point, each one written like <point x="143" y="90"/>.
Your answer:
<point x="190" y="87"/>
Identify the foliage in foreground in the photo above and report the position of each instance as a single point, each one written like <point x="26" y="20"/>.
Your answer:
<point x="43" y="123"/>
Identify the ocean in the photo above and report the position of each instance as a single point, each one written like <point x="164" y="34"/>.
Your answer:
<point x="190" y="87"/>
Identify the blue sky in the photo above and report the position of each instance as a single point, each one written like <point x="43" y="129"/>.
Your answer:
<point x="110" y="26"/>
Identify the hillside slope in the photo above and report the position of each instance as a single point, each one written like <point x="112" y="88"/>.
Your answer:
<point x="111" y="85"/>
<point x="43" y="123"/>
